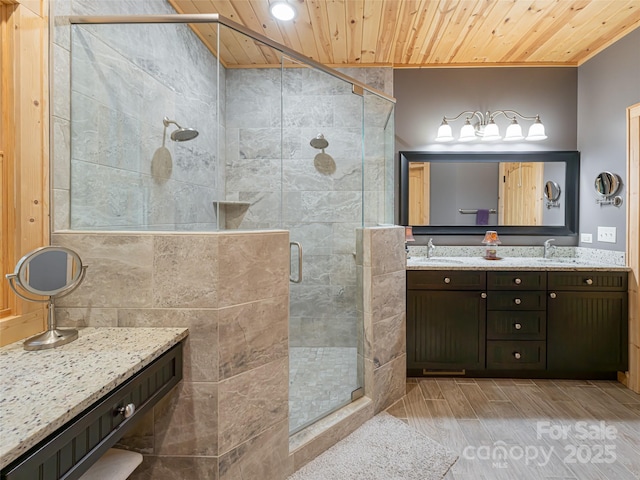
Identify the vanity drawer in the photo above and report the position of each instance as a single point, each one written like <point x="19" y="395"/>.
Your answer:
<point x="446" y="280"/>
<point x="516" y="280"/>
<point x="516" y="301"/>
<point x="516" y="355"/>
<point x="601" y="281"/>
<point x="70" y="451"/>
<point x="508" y="325"/>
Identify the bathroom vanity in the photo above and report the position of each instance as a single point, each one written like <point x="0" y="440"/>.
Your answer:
<point x="516" y="318"/>
<point x="63" y="408"/>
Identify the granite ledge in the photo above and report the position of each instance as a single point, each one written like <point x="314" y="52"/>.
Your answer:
<point x="510" y="263"/>
<point x="43" y="390"/>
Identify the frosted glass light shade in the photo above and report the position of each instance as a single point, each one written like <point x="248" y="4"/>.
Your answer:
<point x="467" y="133"/>
<point x="514" y="132"/>
<point x="282" y="11"/>
<point x="536" y="131"/>
<point x="491" y="132"/>
<point x="444" y="133"/>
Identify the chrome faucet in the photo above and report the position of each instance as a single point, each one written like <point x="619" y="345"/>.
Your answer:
<point x="549" y="248"/>
<point x="430" y="248"/>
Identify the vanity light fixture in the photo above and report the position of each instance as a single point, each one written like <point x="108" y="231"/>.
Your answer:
<point x="486" y="128"/>
<point x="282" y="10"/>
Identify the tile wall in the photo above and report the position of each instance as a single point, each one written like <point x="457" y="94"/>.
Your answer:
<point x="230" y="413"/>
<point x="228" y="419"/>
<point x="112" y="87"/>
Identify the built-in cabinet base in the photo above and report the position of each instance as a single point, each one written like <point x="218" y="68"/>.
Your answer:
<point x="537" y="324"/>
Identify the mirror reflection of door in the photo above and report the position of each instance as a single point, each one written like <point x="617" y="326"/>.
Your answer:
<point x="520" y="193"/>
<point x="419" y="178"/>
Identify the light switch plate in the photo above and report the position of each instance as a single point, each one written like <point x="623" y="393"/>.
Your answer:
<point x="607" y="234"/>
<point x="586" y="238"/>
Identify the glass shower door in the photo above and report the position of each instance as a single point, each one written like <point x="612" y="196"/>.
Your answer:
<point x="322" y="208"/>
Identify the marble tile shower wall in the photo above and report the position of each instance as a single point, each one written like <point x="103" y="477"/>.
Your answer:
<point x="126" y="79"/>
<point x="273" y="113"/>
<point x="228" y="419"/>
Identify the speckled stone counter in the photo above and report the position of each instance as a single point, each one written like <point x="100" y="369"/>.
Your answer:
<point x="42" y="390"/>
<point x="507" y="263"/>
<point x="515" y="258"/>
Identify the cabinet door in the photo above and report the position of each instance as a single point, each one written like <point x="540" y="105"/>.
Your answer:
<point x="446" y="330"/>
<point x="587" y="331"/>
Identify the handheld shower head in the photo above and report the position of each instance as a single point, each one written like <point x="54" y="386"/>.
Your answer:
<point x="181" y="134"/>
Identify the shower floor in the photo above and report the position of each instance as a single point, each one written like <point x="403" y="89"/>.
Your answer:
<point x="321" y="380"/>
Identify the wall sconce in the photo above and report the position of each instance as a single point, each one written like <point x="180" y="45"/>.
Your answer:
<point x="486" y="128"/>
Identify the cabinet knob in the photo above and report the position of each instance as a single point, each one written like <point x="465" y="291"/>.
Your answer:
<point x="517" y="301"/>
<point x="447" y="280"/>
<point x="126" y="411"/>
<point x="517" y="281"/>
<point x="518" y="326"/>
<point x="552" y="295"/>
<point x="483" y="295"/>
<point x="517" y="355"/>
<point x="589" y="281"/>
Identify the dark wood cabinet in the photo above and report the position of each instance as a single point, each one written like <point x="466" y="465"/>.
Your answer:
<point x="446" y="321"/>
<point x="516" y="331"/>
<point x="587" y="322"/>
<point x="561" y="324"/>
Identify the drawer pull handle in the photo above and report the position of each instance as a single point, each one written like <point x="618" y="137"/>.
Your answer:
<point x="589" y="281"/>
<point x="517" y="355"/>
<point x="483" y="295"/>
<point x="517" y="281"/>
<point x="517" y="301"/>
<point x="127" y="410"/>
<point x="447" y="280"/>
<point x="552" y="295"/>
<point x="518" y="326"/>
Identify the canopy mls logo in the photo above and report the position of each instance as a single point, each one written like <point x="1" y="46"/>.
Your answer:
<point x="578" y="431"/>
<point x="581" y="442"/>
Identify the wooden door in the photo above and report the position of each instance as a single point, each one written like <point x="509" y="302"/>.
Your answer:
<point x="633" y="246"/>
<point x="419" y="177"/>
<point x="520" y="193"/>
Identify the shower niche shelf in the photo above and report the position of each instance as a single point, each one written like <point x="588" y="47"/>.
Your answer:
<point x="231" y="213"/>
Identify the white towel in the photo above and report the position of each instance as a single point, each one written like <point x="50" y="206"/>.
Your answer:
<point x="115" y="464"/>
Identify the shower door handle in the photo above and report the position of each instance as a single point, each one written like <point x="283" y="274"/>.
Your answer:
<point x="299" y="279"/>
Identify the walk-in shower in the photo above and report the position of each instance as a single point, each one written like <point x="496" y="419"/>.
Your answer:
<point x="252" y="166"/>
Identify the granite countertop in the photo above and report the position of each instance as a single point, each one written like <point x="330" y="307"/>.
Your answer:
<point x="509" y="263"/>
<point x="42" y="390"/>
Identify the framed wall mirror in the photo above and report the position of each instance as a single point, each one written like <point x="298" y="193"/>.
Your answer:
<point x="469" y="193"/>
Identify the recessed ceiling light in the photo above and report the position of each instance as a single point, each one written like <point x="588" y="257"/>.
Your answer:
<point x="283" y="11"/>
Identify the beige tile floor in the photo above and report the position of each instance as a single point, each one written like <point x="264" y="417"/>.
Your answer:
<point x="528" y="429"/>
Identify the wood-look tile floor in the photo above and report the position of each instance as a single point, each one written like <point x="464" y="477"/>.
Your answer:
<point x="528" y="429"/>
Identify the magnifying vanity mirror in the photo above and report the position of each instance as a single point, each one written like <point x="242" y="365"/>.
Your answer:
<point x="607" y="185"/>
<point x="552" y="194"/>
<point x="52" y="272"/>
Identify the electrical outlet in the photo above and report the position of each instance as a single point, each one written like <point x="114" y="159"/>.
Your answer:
<point x="586" y="238"/>
<point x="607" y="234"/>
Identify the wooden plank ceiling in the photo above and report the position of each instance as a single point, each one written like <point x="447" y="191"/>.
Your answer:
<point x="423" y="33"/>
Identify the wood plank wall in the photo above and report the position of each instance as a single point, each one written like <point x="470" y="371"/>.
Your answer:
<point x="24" y="153"/>
<point x="633" y="247"/>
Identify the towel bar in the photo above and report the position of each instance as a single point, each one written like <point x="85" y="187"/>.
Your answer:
<point x="467" y="211"/>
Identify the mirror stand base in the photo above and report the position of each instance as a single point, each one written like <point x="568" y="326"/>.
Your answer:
<point x="50" y="339"/>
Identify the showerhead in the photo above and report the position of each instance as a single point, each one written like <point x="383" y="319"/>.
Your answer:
<point x="319" y="142"/>
<point x="181" y="134"/>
